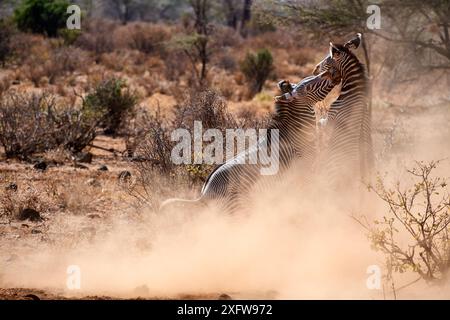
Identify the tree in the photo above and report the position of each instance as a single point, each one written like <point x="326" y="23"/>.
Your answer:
<point x="422" y="26"/>
<point x="256" y="69"/>
<point x="246" y="16"/>
<point x="127" y="10"/>
<point x="42" y="16"/>
<point x="5" y="41"/>
<point x="196" y="43"/>
<point x="232" y="12"/>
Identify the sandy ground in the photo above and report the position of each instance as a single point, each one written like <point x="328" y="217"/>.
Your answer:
<point x="417" y="133"/>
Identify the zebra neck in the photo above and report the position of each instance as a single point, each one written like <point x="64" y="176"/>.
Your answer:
<point x="354" y="75"/>
<point x="295" y="124"/>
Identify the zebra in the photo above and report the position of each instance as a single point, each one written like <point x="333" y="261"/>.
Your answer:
<point x="349" y="154"/>
<point x="229" y="184"/>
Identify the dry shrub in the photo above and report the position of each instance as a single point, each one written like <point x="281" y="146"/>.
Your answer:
<point x="27" y="195"/>
<point x="150" y="144"/>
<point x="154" y="149"/>
<point x="5" y="84"/>
<point x="175" y="65"/>
<point x="128" y="61"/>
<point x="208" y="107"/>
<point x="248" y="116"/>
<point x="34" y="123"/>
<point x="21" y="44"/>
<point x="144" y="37"/>
<point x="25" y="124"/>
<point x="414" y="233"/>
<point x="226" y="61"/>
<point x="302" y="56"/>
<point x="47" y="61"/>
<point x="97" y="36"/>
<point x="226" y="37"/>
<point x="272" y="40"/>
<point x="225" y="83"/>
<point x="75" y="128"/>
<point x="155" y="171"/>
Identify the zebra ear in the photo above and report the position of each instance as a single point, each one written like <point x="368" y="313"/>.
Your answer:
<point x="333" y="49"/>
<point x="355" y="42"/>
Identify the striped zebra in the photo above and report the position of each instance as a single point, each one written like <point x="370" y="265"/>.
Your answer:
<point x="349" y="155"/>
<point x="230" y="183"/>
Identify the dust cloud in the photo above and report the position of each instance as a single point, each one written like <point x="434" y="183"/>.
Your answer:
<point x="291" y="246"/>
<point x="288" y="247"/>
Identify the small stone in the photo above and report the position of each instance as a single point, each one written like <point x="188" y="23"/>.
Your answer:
<point x="40" y="165"/>
<point x="93" y="182"/>
<point x="36" y="231"/>
<point x="80" y="166"/>
<point x="29" y="214"/>
<point x="31" y="297"/>
<point x="84" y="157"/>
<point x="93" y="216"/>
<point x="103" y="168"/>
<point x="224" y="296"/>
<point x="124" y="175"/>
<point x="11" y="187"/>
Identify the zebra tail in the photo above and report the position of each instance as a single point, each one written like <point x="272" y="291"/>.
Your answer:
<point x="182" y="203"/>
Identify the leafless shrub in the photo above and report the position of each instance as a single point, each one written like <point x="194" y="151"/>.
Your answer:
<point x="227" y="62"/>
<point x="97" y="36"/>
<point x="144" y="37"/>
<point x="46" y="63"/>
<point x="24" y="124"/>
<point x="175" y="65"/>
<point x="75" y="129"/>
<point x="249" y="118"/>
<point x="208" y="107"/>
<point x="154" y="147"/>
<point x="150" y="146"/>
<point x="153" y="164"/>
<point x="5" y="83"/>
<point x="31" y="123"/>
<point x="419" y="213"/>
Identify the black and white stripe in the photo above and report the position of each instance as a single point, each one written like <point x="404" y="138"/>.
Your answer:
<point x="349" y="154"/>
<point x="230" y="183"/>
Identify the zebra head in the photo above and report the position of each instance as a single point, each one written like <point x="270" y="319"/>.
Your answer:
<point x="311" y="89"/>
<point x="339" y="55"/>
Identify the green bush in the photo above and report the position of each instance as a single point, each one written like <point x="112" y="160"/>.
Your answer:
<point x="68" y="36"/>
<point x="256" y="69"/>
<point x="42" y="16"/>
<point x="111" y="100"/>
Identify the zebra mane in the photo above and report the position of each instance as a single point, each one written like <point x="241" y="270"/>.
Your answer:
<point x="342" y="48"/>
